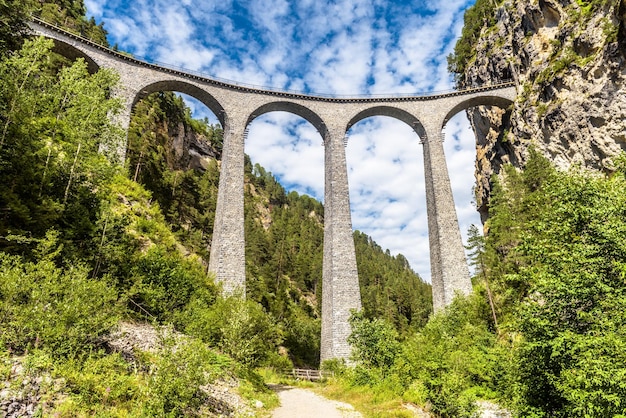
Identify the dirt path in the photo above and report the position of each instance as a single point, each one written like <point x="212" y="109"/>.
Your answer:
<point x="302" y="403"/>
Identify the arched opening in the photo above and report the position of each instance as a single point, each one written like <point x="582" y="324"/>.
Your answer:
<point x="174" y="149"/>
<point x="72" y="53"/>
<point x="388" y="203"/>
<point x="284" y="229"/>
<point x="465" y="146"/>
<point x="188" y="89"/>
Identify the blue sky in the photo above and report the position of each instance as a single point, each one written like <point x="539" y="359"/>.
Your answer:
<point x="347" y="47"/>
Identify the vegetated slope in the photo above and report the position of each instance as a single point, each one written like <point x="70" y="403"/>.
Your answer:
<point x="543" y="333"/>
<point x="178" y="160"/>
<point x="567" y="58"/>
<point x="82" y="247"/>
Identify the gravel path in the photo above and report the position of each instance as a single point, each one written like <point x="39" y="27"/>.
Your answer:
<point x="302" y="403"/>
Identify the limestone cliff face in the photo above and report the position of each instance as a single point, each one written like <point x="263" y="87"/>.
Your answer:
<point x="188" y="149"/>
<point x="569" y="60"/>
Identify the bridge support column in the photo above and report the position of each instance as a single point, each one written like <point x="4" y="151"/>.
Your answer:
<point x="227" y="259"/>
<point x="340" y="281"/>
<point x="448" y="266"/>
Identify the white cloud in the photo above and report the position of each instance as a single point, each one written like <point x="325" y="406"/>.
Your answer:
<point x="296" y="159"/>
<point x="95" y="7"/>
<point x="384" y="158"/>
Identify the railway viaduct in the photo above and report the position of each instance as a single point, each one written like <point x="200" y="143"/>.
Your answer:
<point x="237" y="105"/>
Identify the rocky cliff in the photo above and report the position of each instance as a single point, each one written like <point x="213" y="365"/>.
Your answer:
<point x="568" y="58"/>
<point x="189" y="150"/>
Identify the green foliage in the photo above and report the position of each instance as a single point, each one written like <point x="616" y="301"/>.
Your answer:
<point x="573" y="318"/>
<point x="93" y="246"/>
<point x="454" y="360"/>
<point x="186" y="197"/>
<point x="551" y="272"/>
<point x="374" y="342"/>
<point x="61" y="310"/>
<point x="181" y="368"/>
<point x="556" y="254"/>
<point x="13" y="28"/>
<point x="390" y="289"/>
<point x="49" y="160"/>
<point x="610" y="30"/>
<point x="70" y="15"/>
<point x="163" y="282"/>
<point x="240" y="328"/>
<point x="476" y="18"/>
<point x="106" y="385"/>
<point x="99" y="383"/>
<point x="564" y="60"/>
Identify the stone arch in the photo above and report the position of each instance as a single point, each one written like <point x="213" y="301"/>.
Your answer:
<point x="486" y="100"/>
<point x="187" y="88"/>
<point x="392" y="112"/>
<point x="293" y="108"/>
<point x="71" y="52"/>
<point x="503" y="147"/>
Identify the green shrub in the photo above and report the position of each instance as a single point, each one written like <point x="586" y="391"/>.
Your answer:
<point x="555" y="259"/>
<point x="61" y="310"/>
<point x="571" y="357"/>
<point x="374" y="343"/>
<point x="240" y="328"/>
<point x="336" y="366"/>
<point x="177" y="373"/>
<point x="163" y="282"/>
<point x="302" y="336"/>
<point x="454" y="360"/>
<point x="98" y="383"/>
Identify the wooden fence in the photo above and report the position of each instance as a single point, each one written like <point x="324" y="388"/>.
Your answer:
<point x="308" y="374"/>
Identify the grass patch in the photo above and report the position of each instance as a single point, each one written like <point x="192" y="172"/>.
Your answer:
<point x="376" y="402"/>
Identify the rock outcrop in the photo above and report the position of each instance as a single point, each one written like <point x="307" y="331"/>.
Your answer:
<point x="569" y="60"/>
<point x="188" y="149"/>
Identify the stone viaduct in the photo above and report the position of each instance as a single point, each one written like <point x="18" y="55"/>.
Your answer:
<point x="236" y="106"/>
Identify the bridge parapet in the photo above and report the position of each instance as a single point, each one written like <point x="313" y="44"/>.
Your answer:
<point x="267" y="90"/>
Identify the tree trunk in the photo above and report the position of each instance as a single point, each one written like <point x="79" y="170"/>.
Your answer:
<point x="69" y="181"/>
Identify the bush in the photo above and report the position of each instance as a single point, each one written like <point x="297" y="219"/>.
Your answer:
<point x="164" y="282"/>
<point x="374" y="342"/>
<point x="61" y="310"/>
<point x="99" y="383"/>
<point x="454" y="360"/>
<point x="302" y="337"/>
<point x="178" y="372"/>
<point x="571" y="357"/>
<point x="240" y="328"/>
